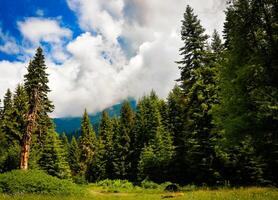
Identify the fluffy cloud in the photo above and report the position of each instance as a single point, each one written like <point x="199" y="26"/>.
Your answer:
<point x="7" y="43"/>
<point x="46" y="30"/>
<point x="37" y="30"/>
<point x="103" y="17"/>
<point x="11" y="75"/>
<point x="128" y="48"/>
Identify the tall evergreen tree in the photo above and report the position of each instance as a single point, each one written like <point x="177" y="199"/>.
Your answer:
<point x="198" y="84"/>
<point x="193" y="50"/>
<point x="122" y="142"/>
<point x="248" y="79"/>
<point x="53" y="158"/>
<point x="106" y="142"/>
<point x="10" y="127"/>
<point x="153" y="143"/>
<point x="36" y="81"/>
<point x="102" y="164"/>
<point x="74" y="157"/>
<point x="87" y="143"/>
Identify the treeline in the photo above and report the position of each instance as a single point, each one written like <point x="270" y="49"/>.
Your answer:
<point x="219" y="124"/>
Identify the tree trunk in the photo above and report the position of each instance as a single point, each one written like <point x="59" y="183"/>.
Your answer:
<point x="27" y="137"/>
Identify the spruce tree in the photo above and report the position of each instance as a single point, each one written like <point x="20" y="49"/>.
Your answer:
<point x="74" y="157"/>
<point x="106" y="143"/>
<point x="199" y="93"/>
<point x="53" y="158"/>
<point x="101" y="166"/>
<point x="157" y="149"/>
<point x="36" y="87"/>
<point x="249" y="79"/>
<point x="193" y="50"/>
<point x="87" y="143"/>
<point x="11" y="126"/>
<point x="122" y="142"/>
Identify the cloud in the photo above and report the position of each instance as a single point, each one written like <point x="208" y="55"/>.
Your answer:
<point x="102" y="17"/>
<point x="127" y="48"/>
<point x="11" y="75"/>
<point x="37" y="29"/>
<point x="8" y="43"/>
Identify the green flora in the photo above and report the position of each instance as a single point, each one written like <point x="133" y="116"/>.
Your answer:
<point x="34" y="181"/>
<point x="217" y="127"/>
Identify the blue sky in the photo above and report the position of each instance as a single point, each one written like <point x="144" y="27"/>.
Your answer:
<point x="13" y="11"/>
<point x="98" y="52"/>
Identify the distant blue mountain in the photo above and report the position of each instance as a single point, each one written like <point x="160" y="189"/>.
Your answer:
<point x="70" y="125"/>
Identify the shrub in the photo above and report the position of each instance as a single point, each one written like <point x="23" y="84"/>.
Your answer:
<point x="149" y="184"/>
<point x="35" y="181"/>
<point x="115" y="184"/>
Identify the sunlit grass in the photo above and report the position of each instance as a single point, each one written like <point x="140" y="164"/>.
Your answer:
<point x="93" y="193"/>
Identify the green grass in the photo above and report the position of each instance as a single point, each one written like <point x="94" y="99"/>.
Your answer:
<point x="37" y="185"/>
<point x="91" y="193"/>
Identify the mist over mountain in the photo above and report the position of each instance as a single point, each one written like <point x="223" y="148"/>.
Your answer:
<point x="71" y="125"/>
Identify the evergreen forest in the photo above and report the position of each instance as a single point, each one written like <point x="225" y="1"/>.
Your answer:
<point x="218" y="126"/>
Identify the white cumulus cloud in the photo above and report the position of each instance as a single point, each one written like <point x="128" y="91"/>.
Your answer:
<point x="127" y="48"/>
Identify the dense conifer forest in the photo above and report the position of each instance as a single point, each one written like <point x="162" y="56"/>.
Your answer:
<point x="218" y="126"/>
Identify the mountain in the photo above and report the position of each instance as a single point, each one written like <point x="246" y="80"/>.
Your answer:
<point x="71" y="125"/>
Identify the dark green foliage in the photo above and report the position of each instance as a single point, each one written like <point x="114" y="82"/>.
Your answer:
<point x="158" y="150"/>
<point x="34" y="181"/>
<point x="74" y="157"/>
<point x="219" y="123"/>
<point x="195" y="140"/>
<point x="243" y="167"/>
<point x="87" y="143"/>
<point x="53" y="159"/>
<point x="193" y="51"/>
<point x="122" y="142"/>
<point x="35" y="81"/>
<point x="102" y="164"/>
<point x="13" y="122"/>
<point x="249" y="90"/>
<point x="156" y="157"/>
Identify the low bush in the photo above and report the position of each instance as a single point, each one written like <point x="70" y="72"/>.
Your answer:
<point x="146" y="184"/>
<point x="35" y="181"/>
<point x="115" y="184"/>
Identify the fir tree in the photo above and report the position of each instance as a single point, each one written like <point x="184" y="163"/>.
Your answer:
<point x="87" y="142"/>
<point x="122" y="142"/>
<point x="36" y="87"/>
<point x="53" y="159"/>
<point x="193" y="51"/>
<point x="199" y="94"/>
<point x="249" y="79"/>
<point x="106" y="142"/>
<point x="74" y="157"/>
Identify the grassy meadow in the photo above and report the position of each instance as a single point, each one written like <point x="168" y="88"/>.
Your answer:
<point x="98" y="193"/>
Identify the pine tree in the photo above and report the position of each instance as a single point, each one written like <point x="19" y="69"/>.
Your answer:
<point x="74" y="157"/>
<point x="199" y="93"/>
<point x="53" y="159"/>
<point x="87" y="143"/>
<point x="20" y="108"/>
<point x="65" y="142"/>
<point x="122" y="142"/>
<point x="177" y="120"/>
<point x="217" y="46"/>
<point x="101" y="166"/>
<point x="11" y="127"/>
<point x="36" y="87"/>
<point x="106" y="143"/>
<point x="7" y="117"/>
<point x="156" y="155"/>
<point x="193" y="51"/>
<point x="248" y="79"/>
